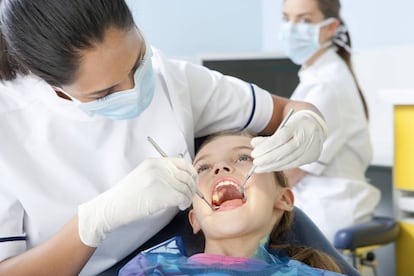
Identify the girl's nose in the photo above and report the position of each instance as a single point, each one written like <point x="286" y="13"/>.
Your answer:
<point x="222" y="167"/>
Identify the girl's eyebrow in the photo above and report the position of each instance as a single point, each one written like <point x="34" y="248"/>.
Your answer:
<point x="204" y="156"/>
<point x="248" y="147"/>
<point x="199" y="158"/>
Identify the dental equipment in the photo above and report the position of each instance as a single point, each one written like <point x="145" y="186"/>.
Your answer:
<point x="251" y="171"/>
<point x="163" y="154"/>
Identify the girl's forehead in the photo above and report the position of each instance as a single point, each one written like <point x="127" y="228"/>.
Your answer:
<point x="227" y="142"/>
<point x="223" y="145"/>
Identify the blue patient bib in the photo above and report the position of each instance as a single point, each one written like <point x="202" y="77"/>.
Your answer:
<point x="169" y="258"/>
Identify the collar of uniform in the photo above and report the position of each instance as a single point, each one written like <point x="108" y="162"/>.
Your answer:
<point x="314" y="69"/>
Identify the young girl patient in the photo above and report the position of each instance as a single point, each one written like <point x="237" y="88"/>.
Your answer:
<point x="242" y="237"/>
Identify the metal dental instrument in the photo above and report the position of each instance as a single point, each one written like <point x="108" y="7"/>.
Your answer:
<point x="251" y="171"/>
<point x="163" y="154"/>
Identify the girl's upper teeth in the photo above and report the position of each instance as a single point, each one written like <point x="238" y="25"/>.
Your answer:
<point x="225" y="183"/>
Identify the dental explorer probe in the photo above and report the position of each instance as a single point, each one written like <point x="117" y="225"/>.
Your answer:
<point x="251" y="171"/>
<point x="163" y="154"/>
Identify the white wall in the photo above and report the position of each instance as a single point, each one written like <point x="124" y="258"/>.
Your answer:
<point x="388" y="68"/>
<point x="188" y="28"/>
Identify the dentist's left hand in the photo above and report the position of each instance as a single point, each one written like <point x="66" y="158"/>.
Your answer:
<point x="154" y="185"/>
<point x="299" y="142"/>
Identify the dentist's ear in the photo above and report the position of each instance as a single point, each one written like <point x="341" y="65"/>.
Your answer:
<point x="285" y="202"/>
<point x="334" y="26"/>
<point x="61" y="93"/>
<point x="193" y="221"/>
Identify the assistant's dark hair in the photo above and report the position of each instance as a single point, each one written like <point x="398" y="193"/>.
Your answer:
<point x="331" y="8"/>
<point x="45" y="37"/>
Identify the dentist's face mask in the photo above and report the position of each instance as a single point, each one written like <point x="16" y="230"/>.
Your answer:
<point x="129" y="103"/>
<point x="300" y="41"/>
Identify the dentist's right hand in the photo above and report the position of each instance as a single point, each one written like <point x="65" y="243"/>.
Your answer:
<point x="154" y="185"/>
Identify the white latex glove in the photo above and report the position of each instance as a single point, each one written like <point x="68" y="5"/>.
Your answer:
<point x="297" y="143"/>
<point x="154" y="185"/>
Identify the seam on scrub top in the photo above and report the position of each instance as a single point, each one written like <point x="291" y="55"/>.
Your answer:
<point x="254" y="106"/>
<point x="16" y="238"/>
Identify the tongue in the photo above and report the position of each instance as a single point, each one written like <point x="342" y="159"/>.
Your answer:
<point x="232" y="203"/>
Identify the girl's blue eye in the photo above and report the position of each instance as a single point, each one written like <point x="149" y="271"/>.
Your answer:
<point x="244" y="158"/>
<point x="202" y="168"/>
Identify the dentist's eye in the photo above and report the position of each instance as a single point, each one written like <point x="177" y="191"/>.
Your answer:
<point x="202" y="168"/>
<point x="103" y="96"/>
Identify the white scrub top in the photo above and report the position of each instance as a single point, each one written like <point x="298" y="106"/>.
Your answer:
<point x="53" y="156"/>
<point x="334" y="193"/>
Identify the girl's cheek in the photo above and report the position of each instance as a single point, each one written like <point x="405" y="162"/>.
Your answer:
<point x="202" y="183"/>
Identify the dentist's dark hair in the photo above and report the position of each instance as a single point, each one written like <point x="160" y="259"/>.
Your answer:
<point x="46" y="37"/>
<point x="331" y="8"/>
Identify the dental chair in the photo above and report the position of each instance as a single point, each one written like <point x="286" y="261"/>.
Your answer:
<point x="303" y="232"/>
<point x="359" y="241"/>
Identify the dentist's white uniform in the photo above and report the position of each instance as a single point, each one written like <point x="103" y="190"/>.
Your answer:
<point x="334" y="193"/>
<point x="53" y="156"/>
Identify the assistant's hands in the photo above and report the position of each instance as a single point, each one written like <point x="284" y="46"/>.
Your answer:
<point x="154" y="185"/>
<point x="297" y="143"/>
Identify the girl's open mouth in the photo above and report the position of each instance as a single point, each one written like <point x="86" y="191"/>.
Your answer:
<point x="226" y="194"/>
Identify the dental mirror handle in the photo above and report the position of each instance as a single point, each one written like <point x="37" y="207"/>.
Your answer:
<point x="157" y="148"/>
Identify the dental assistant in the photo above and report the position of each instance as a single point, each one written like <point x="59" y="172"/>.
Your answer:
<point x="80" y="92"/>
<point x="332" y="191"/>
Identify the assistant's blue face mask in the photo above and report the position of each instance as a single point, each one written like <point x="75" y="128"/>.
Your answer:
<point x="129" y="103"/>
<point x="300" y="41"/>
